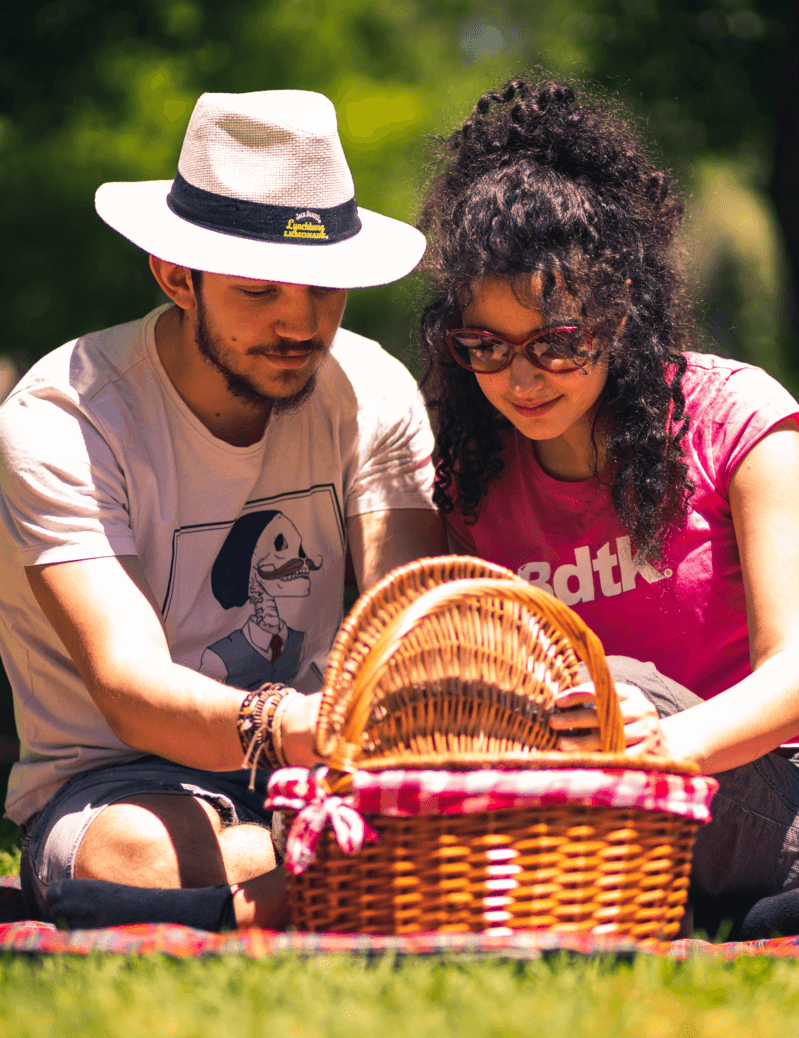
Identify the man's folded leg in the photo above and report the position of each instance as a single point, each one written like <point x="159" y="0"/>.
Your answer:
<point x="152" y="841"/>
<point x="78" y="904"/>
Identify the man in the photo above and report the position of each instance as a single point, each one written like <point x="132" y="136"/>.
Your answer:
<point x="154" y="474"/>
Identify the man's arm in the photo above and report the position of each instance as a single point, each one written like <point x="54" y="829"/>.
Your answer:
<point x="104" y="612"/>
<point x="380" y="541"/>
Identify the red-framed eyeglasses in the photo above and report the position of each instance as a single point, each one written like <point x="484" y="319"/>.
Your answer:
<point x="559" y="350"/>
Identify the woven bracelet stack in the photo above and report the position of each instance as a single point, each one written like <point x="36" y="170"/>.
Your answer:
<point x="260" y="723"/>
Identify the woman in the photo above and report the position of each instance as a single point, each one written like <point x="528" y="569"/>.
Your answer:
<point x="582" y="444"/>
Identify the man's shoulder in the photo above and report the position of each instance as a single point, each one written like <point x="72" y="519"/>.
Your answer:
<point x="351" y="346"/>
<point x="368" y="366"/>
<point x="83" y="366"/>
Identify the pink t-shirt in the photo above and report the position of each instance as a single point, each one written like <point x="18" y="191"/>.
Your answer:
<point x="688" y="615"/>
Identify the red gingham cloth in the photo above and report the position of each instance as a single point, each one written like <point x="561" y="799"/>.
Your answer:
<point x="409" y="793"/>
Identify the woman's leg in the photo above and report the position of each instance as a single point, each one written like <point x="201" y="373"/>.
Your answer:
<point x="751" y="848"/>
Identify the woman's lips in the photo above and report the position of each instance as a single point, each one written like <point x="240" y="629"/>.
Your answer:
<point x="534" y="410"/>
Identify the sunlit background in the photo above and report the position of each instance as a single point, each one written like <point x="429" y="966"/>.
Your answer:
<point x="95" y="90"/>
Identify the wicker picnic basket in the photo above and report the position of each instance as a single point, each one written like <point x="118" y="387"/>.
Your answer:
<point x="443" y="678"/>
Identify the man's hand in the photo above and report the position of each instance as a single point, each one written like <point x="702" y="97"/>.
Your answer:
<point x="298" y="728"/>
<point x="575" y="709"/>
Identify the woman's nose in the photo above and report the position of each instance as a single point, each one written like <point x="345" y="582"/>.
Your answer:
<point x="524" y="375"/>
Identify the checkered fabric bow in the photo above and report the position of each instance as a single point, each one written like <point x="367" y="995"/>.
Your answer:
<point x="303" y="791"/>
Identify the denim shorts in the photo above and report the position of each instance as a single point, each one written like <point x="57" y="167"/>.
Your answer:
<point x="751" y="847"/>
<point x="53" y="836"/>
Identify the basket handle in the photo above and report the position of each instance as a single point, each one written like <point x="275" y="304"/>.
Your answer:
<point x="584" y="642"/>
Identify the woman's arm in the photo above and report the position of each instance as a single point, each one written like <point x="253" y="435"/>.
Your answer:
<point x="762" y="711"/>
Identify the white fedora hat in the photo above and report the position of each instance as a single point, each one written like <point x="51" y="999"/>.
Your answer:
<point x="263" y="191"/>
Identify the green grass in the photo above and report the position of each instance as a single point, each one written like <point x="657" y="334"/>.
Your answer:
<point x="337" y="997"/>
<point x="10" y="846"/>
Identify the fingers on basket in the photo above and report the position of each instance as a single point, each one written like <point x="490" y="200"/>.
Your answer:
<point x="577" y="696"/>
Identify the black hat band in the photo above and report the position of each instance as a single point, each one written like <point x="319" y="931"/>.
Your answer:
<point x="291" y="225"/>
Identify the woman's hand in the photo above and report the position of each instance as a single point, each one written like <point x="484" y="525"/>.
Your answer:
<point x="575" y="709"/>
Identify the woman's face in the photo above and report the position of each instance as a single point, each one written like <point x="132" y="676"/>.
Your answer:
<point x="552" y="409"/>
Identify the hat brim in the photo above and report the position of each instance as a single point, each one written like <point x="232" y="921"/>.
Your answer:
<point x="384" y="250"/>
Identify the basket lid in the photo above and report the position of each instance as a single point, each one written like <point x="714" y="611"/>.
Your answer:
<point x="456" y="656"/>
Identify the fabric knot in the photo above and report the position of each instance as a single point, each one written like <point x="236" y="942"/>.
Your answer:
<point x="315" y="808"/>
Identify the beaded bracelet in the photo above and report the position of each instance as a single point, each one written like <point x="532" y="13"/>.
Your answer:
<point x="256" y="726"/>
<point x="277" y="729"/>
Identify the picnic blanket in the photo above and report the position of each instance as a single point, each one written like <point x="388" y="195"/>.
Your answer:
<point x="18" y="934"/>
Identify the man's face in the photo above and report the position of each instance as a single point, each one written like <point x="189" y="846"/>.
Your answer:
<point x="266" y="338"/>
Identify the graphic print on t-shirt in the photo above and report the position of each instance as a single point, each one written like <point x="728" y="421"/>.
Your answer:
<point x="607" y="564"/>
<point x="262" y="561"/>
<point x="274" y="576"/>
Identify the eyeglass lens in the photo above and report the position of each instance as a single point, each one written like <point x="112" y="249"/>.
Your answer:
<point x="556" y="349"/>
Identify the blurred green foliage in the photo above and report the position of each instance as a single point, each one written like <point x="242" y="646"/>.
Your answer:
<point x="96" y="90"/>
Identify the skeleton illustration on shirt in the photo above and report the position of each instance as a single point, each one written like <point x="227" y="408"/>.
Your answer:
<point x="262" y="560"/>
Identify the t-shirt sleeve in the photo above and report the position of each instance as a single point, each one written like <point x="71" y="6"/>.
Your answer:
<point x="63" y="495"/>
<point x="395" y="444"/>
<point x="748" y="404"/>
<point x="459" y="538"/>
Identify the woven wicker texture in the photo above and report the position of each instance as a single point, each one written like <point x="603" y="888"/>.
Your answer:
<point x="571" y="868"/>
<point x="454" y="662"/>
<point x="452" y="657"/>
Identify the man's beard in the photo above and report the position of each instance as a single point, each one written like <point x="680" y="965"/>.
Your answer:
<point x="240" y="387"/>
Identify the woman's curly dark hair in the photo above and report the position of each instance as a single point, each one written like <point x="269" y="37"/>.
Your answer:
<point x="536" y="183"/>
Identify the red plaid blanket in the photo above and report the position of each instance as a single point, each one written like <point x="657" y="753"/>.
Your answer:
<point x="20" y="935"/>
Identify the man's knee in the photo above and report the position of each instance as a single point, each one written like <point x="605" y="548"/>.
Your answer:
<point x="161" y="840"/>
<point x="156" y="840"/>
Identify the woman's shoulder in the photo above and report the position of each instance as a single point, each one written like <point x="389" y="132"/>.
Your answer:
<point x="731" y="406"/>
<point x="732" y="383"/>
<point x="704" y="366"/>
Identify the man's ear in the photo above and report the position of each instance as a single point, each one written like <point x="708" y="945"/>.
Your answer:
<point x="175" y="282"/>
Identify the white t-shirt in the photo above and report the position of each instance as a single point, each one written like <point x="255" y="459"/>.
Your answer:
<point x="243" y="547"/>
